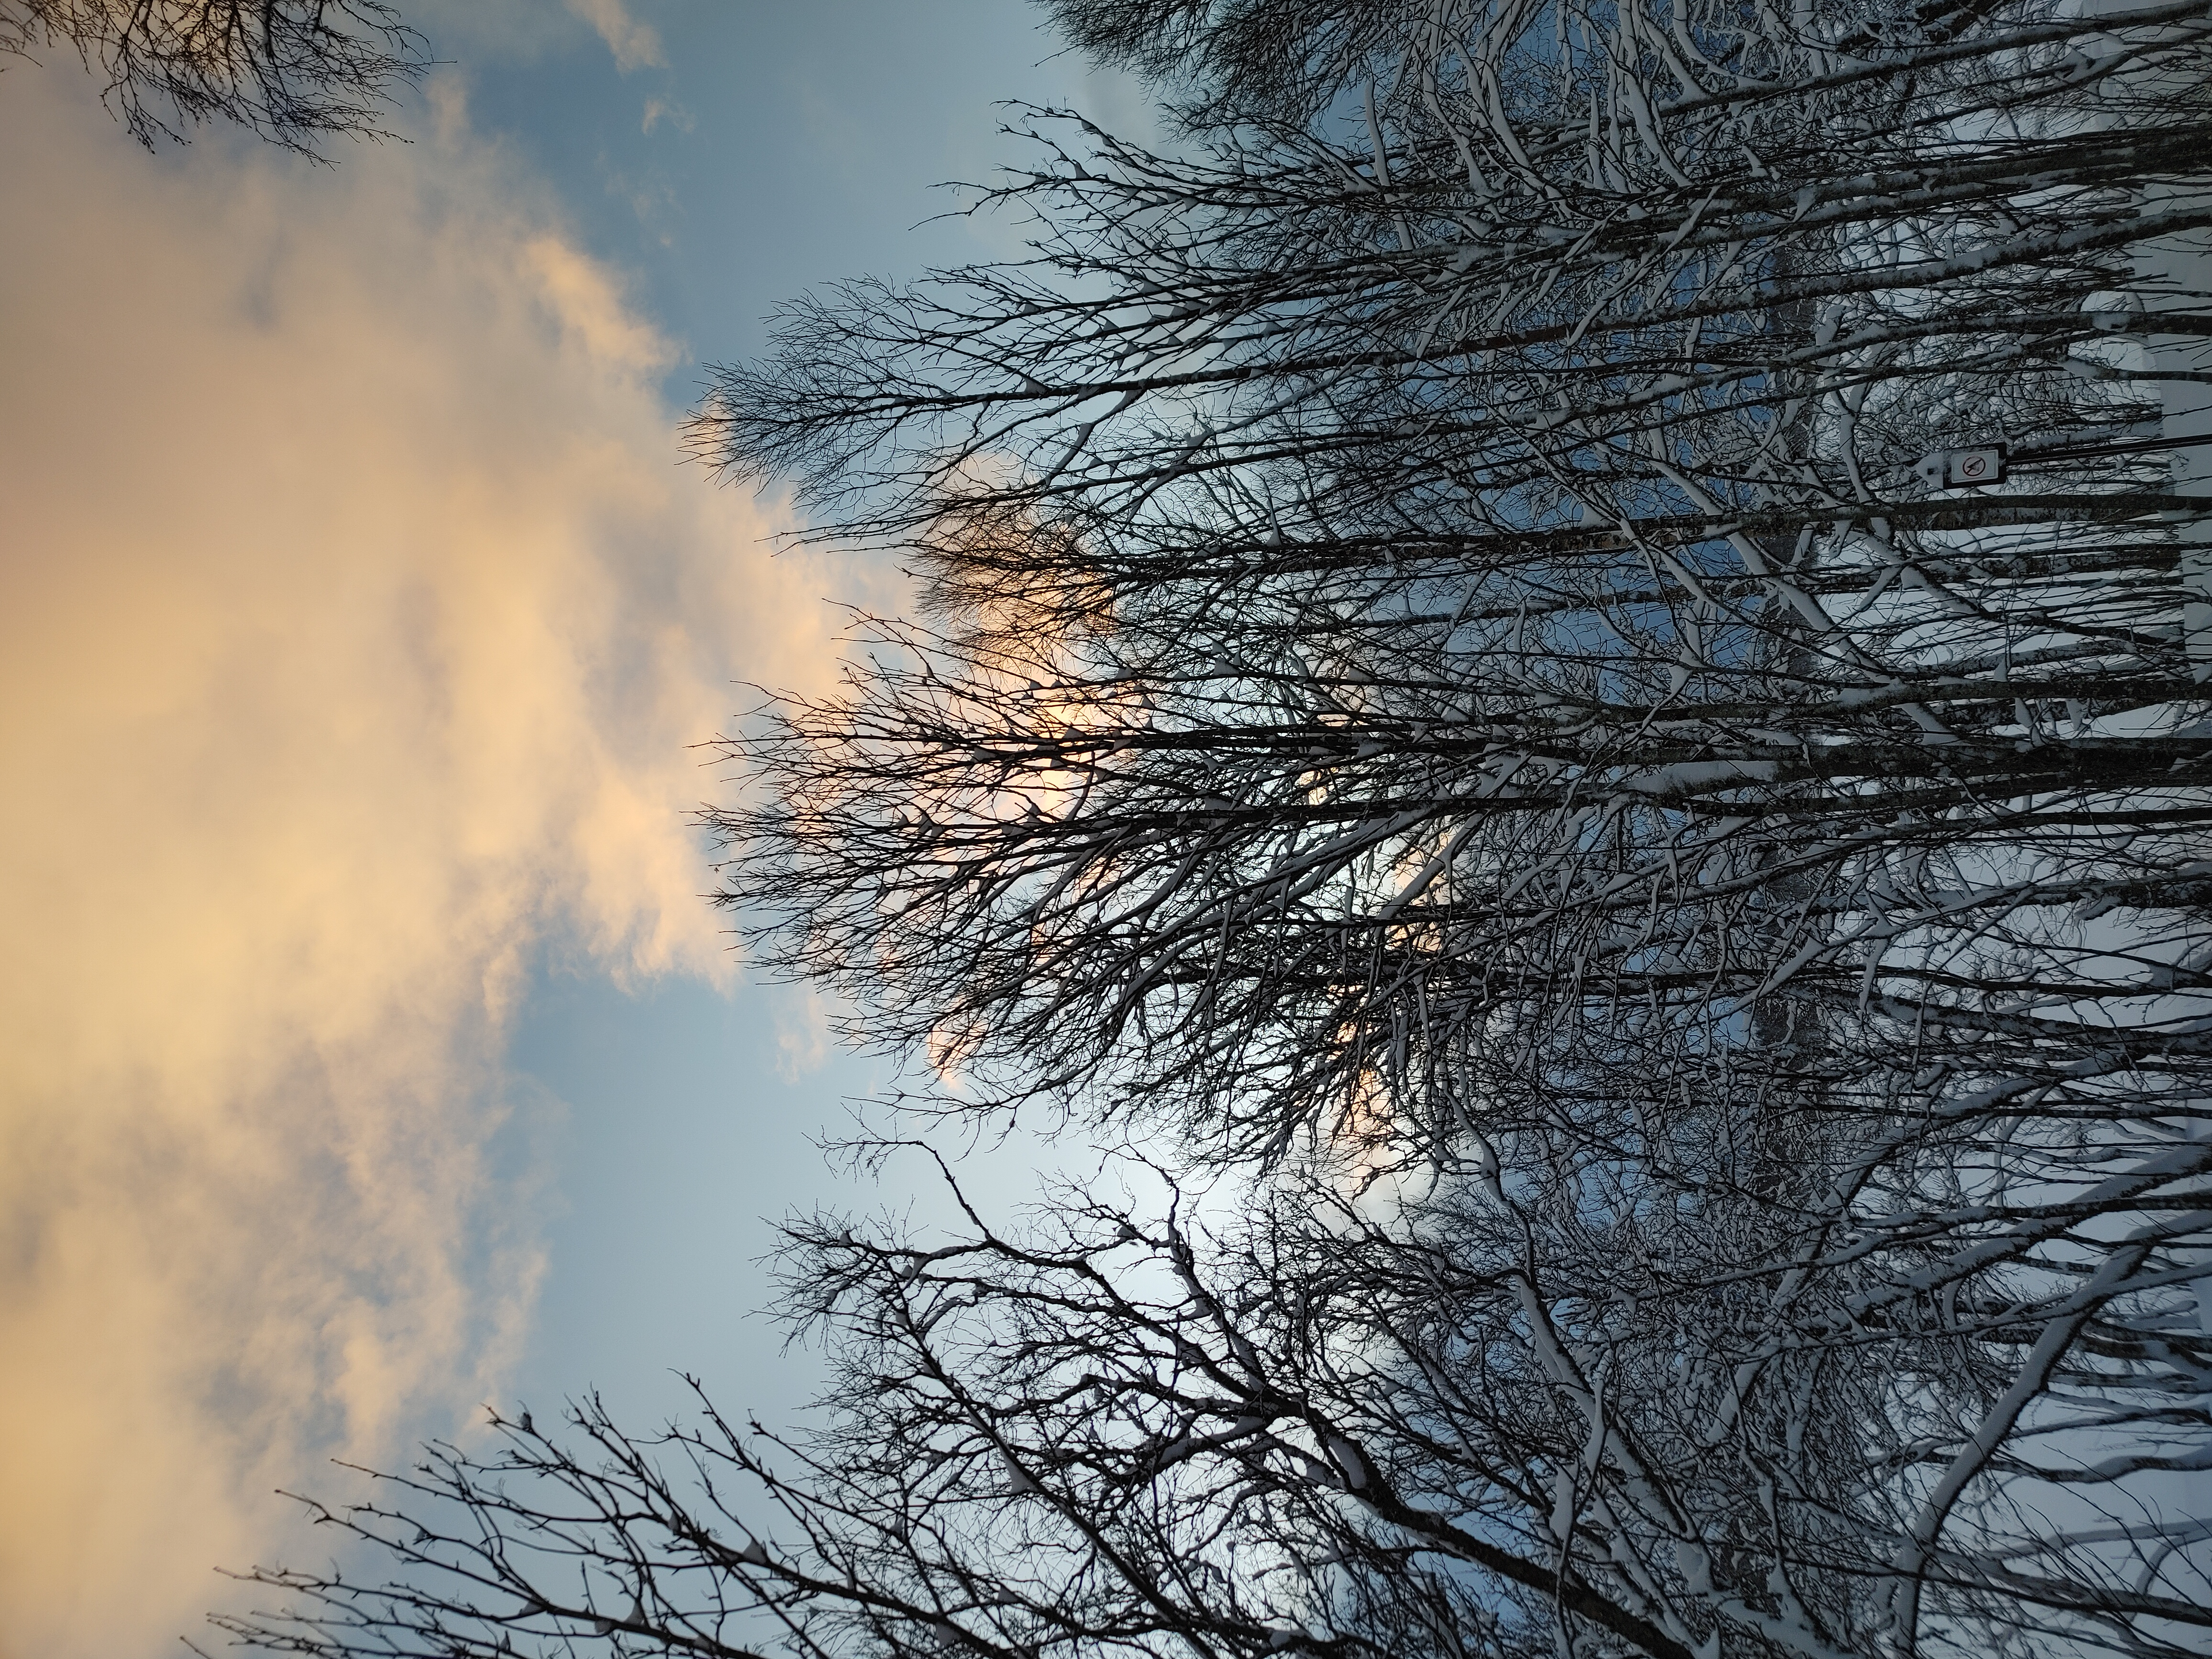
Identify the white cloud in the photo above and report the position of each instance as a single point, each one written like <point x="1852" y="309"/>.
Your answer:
<point x="802" y="1033"/>
<point x="354" y="618"/>
<point x="634" y="45"/>
<point x="658" y="110"/>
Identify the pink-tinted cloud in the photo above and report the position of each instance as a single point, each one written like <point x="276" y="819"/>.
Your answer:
<point x="355" y="620"/>
<point x="634" y="45"/>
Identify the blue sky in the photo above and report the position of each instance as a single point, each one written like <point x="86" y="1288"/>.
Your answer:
<point x="779" y="148"/>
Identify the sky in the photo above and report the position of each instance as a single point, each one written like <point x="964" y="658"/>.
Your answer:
<point x="367" y="1052"/>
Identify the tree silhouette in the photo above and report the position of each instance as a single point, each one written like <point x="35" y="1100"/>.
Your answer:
<point x="294" y="72"/>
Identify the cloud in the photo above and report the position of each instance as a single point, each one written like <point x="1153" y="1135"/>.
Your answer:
<point x="803" y="1034"/>
<point x="658" y="110"/>
<point x="634" y="45"/>
<point x="354" y="618"/>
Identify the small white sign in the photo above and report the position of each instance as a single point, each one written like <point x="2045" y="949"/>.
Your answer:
<point x="1974" y="466"/>
<point x="1951" y="468"/>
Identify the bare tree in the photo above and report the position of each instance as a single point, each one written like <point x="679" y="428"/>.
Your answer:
<point x="1460" y="688"/>
<point x="1519" y="1416"/>
<point x="1456" y="630"/>
<point x="295" y="72"/>
<point x="1474" y="594"/>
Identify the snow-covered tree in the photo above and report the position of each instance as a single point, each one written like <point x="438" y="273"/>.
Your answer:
<point x="1392" y="597"/>
<point x="1464" y="683"/>
<point x="1515" y="1417"/>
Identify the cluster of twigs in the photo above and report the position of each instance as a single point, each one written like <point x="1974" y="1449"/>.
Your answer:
<point x="294" y="72"/>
